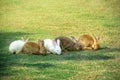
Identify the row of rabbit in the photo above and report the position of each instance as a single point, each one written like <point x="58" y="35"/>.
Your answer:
<point x="54" y="46"/>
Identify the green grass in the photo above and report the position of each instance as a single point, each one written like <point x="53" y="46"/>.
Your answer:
<point x="41" y="19"/>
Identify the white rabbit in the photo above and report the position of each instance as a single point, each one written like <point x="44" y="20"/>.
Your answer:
<point x="52" y="46"/>
<point x="16" y="46"/>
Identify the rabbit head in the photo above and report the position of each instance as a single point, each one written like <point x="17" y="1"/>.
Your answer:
<point x="57" y="48"/>
<point x="42" y="48"/>
<point x="23" y="39"/>
<point x="76" y="45"/>
<point x="52" y="46"/>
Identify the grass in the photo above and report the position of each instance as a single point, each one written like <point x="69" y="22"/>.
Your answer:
<point x="41" y="19"/>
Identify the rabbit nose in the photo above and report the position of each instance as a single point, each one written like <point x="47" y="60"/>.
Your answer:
<point x="58" y="51"/>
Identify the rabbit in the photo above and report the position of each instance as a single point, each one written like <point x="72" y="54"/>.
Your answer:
<point x="89" y="42"/>
<point x="53" y="46"/>
<point x="69" y="43"/>
<point x="16" y="46"/>
<point x="34" y="48"/>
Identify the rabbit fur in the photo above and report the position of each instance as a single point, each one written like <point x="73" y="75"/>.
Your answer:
<point x="34" y="48"/>
<point x="69" y="43"/>
<point x="53" y="46"/>
<point x="16" y="46"/>
<point x="89" y="42"/>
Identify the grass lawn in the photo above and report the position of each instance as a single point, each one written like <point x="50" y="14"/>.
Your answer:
<point x="41" y="19"/>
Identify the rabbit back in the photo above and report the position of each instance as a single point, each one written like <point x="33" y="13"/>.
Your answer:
<point x="52" y="46"/>
<point x="16" y="46"/>
<point x="89" y="42"/>
<point x="31" y="47"/>
<point x="86" y="40"/>
<point x="66" y="43"/>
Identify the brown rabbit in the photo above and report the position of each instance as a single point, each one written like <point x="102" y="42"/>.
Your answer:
<point x="43" y="50"/>
<point x="88" y="42"/>
<point x="68" y="43"/>
<point x="34" y="48"/>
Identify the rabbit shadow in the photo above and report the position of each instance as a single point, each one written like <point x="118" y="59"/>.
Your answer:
<point x="10" y="61"/>
<point x="101" y="54"/>
<point x="107" y="49"/>
<point x="87" y="57"/>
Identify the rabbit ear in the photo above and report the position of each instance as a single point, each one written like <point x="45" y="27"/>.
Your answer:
<point x="27" y="39"/>
<point x="73" y="39"/>
<point x="24" y="39"/>
<point x="58" y="42"/>
<point x="54" y="43"/>
<point x="96" y="38"/>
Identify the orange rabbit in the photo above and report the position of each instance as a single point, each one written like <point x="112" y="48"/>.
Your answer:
<point x="89" y="42"/>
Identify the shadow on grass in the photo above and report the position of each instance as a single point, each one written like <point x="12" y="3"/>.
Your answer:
<point x="88" y="57"/>
<point x="39" y="65"/>
<point x="11" y="64"/>
<point x="8" y="71"/>
<point x="7" y="37"/>
<point x="8" y="61"/>
<point x="102" y="54"/>
<point x="107" y="50"/>
<point x="11" y="60"/>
